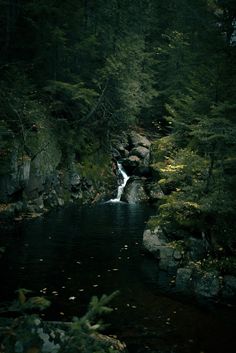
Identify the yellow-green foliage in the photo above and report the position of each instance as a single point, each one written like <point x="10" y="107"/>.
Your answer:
<point x="153" y="222"/>
<point x="95" y="167"/>
<point x="183" y="168"/>
<point x="161" y="150"/>
<point x="94" y="162"/>
<point x="182" y="212"/>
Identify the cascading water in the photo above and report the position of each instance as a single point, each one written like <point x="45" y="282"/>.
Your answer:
<point x="121" y="187"/>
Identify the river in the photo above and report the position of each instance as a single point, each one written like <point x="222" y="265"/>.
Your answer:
<point x="74" y="253"/>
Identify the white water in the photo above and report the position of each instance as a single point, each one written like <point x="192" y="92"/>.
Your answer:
<point x="121" y="187"/>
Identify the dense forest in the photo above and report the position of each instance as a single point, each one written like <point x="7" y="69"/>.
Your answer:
<point x="90" y="68"/>
<point x="84" y="72"/>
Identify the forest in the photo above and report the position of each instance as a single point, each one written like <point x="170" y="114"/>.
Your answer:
<point x="75" y="76"/>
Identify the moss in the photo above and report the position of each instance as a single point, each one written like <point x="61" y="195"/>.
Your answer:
<point x="178" y="245"/>
<point x="161" y="149"/>
<point x="153" y="222"/>
<point x="96" y="167"/>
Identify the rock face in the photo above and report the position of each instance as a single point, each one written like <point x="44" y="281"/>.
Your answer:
<point x="133" y="150"/>
<point x="153" y="240"/>
<point x="154" y="191"/>
<point x="35" y="178"/>
<point x="196" y="248"/>
<point x="207" y="284"/>
<point x="131" y="163"/>
<point x="162" y="249"/>
<point x="184" y="281"/>
<point x="136" y="139"/>
<point x="140" y="152"/>
<point x="135" y="191"/>
<point x="181" y="258"/>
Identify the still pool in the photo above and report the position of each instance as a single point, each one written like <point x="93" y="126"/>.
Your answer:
<point x="77" y="252"/>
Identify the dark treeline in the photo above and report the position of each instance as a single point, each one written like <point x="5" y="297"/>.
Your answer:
<point x="97" y="67"/>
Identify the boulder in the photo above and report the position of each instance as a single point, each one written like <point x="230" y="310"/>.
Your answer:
<point x="183" y="282"/>
<point x="51" y="200"/>
<point x="207" y="284"/>
<point x="157" y="244"/>
<point x="166" y="258"/>
<point x="154" y="191"/>
<point x="38" y="203"/>
<point x="131" y="161"/>
<point x="134" y="191"/>
<point x="75" y="181"/>
<point x="153" y="239"/>
<point x="61" y="202"/>
<point x="138" y="140"/>
<point x="7" y="211"/>
<point x="124" y="153"/>
<point x="15" y="179"/>
<point x="140" y="152"/>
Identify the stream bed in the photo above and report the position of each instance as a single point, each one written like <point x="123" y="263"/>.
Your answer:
<point x="74" y="253"/>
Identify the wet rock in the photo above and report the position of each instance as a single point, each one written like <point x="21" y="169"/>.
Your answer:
<point x="115" y="153"/>
<point x="140" y="152"/>
<point x="207" y="284"/>
<point x="75" y="181"/>
<point x="38" y="203"/>
<point x="183" y="281"/>
<point x="61" y="202"/>
<point x="229" y="286"/>
<point x="131" y="161"/>
<point x="51" y="200"/>
<point x="138" y="140"/>
<point x="35" y="206"/>
<point x="142" y="171"/>
<point x="153" y="239"/>
<point x="159" y="246"/>
<point x="177" y="255"/>
<point x="15" y="179"/>
<point x="24" y="171"/>
<point x="154" y="191"/>
<point x="35" y="186"/>
<point x="7" y="211"/>
<point x="134" y="191"/>
<point x="77" y="196"/>
<point x="124" y="153"/>
<point x="19" y="206"/>
<point x="168" y="259"/>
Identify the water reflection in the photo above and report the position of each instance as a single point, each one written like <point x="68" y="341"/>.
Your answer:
<point x="75" y="253"/>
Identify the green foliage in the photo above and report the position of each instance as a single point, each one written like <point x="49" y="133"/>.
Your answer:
<point x="97" y="67"/>
<point x="29" y="333"/>
<point x="223" y="264"/>
<point x="130" y="80"/>
<point x="72" y="100"/>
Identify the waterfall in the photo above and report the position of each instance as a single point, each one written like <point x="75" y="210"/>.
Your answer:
<point x="121" y="187"/>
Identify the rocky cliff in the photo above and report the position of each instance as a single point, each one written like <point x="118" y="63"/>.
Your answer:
<point x="39" y="173"/>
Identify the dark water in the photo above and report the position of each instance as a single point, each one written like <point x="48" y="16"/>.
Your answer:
<point x="75" y="253"/>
